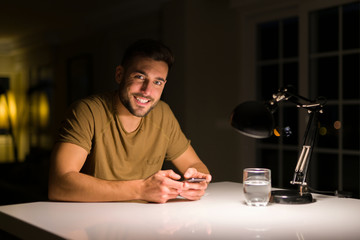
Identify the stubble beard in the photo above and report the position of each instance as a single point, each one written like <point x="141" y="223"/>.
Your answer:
<point x="125" y="100"/>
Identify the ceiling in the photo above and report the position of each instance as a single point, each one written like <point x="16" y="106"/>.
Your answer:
<point x="20" y="18"/>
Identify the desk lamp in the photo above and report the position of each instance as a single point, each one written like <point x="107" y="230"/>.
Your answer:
<point x="255" y="119"/>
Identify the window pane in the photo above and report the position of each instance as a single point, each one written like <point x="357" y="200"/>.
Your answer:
<point x="351" y="26"/>
<point x="324" y="77"/>
<point x="351" y="76"/>
<point x="351" y="177"/>
<point x="325" y="167"/>
<point x="269" y="159"/>
<point x="291" y="74"/>
<point x="269" y="76"/>
<point x="324" y="29"/>
<point x="289" y="164"/>
<point x="268" y="40"/>
<point x="290" y="37"/>
<point x="351" y="126"/>
<point x="328" y="132"/>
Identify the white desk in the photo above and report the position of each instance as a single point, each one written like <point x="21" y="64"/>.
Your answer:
<point x="220" y="214"/>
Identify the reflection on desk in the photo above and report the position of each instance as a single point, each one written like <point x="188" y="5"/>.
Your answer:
<point x="220" y="214"/>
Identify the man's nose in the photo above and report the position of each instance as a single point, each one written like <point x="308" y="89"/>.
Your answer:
<point x="145" y="87"/>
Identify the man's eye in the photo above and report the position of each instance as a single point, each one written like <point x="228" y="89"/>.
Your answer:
<point x="141" y="77"/>
<point x="158" y="82"/>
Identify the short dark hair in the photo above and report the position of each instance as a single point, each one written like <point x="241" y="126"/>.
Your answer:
<point x="150" y="48"/>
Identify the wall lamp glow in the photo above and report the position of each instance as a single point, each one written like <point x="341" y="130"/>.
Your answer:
<point x="8" y="116"/>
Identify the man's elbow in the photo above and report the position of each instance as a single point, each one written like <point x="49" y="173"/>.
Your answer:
<point x="56" y="192"/>
<point x="53" y="193"/>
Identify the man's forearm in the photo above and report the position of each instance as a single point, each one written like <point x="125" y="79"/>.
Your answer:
<point x="75" y="186"/>
<point x="200" y="167"/>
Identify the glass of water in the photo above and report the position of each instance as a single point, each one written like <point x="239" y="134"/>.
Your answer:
<point x="257" y="186"/>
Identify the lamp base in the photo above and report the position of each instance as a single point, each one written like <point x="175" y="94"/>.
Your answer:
<point x="290" y="197"/>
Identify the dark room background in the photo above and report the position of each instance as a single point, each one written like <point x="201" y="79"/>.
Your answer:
<point x="227" y="52"/>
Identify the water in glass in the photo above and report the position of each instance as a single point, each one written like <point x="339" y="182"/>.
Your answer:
<point x="257" y="192"/>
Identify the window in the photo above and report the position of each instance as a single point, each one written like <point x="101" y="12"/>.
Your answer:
<point x="277" y="66"/>
<point x="333" y="68"/>
<point x="334" y="62"/>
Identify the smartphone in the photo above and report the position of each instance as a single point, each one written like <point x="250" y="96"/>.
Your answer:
<point x="195" y="180"/>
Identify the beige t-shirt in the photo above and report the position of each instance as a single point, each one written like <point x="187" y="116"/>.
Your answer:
<point x="115" y="154"/>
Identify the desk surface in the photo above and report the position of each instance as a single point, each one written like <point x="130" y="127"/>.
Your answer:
<point x="220" y="214"/>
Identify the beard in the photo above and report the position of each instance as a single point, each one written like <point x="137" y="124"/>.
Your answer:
<point x="134" y="110"/>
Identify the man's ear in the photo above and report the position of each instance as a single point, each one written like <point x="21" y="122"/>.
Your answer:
<point x="119" y="73"/>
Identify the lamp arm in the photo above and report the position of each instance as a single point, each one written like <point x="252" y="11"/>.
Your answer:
<point x="313" y="108"/>
<point x="306" y="151"/>
<point x="284" y="94"/>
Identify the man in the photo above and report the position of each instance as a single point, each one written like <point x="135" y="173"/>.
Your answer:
<point x="111" y="146"/>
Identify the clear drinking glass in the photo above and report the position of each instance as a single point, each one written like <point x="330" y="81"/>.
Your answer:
<point x="257" y="186"/>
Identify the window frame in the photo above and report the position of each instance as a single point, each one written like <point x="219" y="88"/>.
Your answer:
<point x="253" y="14"/>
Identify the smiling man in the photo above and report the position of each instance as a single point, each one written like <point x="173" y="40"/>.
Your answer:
<point x="111" y="146"/>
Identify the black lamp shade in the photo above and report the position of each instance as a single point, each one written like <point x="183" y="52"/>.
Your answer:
<point x="253" y="119"/>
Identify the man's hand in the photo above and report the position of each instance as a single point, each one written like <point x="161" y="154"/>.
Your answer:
<point x="194" y="191"/>
<point x="161" y="187"/>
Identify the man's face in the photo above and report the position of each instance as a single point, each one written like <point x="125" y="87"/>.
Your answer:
<point x="141" y="84"/>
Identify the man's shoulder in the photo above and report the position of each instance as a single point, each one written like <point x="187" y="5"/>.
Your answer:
<point x="161" y="108"/>
<point x="161" y="114"/>
<point x="101" y="100"/>
<point x="163" y="105"/>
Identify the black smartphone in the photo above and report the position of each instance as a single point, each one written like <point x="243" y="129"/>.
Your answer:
<point x="195" y="180"/>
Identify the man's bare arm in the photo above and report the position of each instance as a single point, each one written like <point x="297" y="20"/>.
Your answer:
<point x="66" y="183"/>
<point x="190" y="165"/>
<point x="189" y="159"/>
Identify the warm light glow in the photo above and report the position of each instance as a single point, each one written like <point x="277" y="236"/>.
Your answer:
<point x="337" y="125"/>
<point x="6" y="109"/>
<point x="12" y="107"/>
<point x="4" y="119"/>
<point x="323" y="131"/>
<point x="40" y="109"/>
<point x="43" y="110"/>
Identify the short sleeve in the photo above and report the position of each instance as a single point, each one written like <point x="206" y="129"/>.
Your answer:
<point x="78" y="126"/>
<point x="178" y="143"/>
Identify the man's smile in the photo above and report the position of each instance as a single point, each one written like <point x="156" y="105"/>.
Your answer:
<point x="142" y="100"/>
